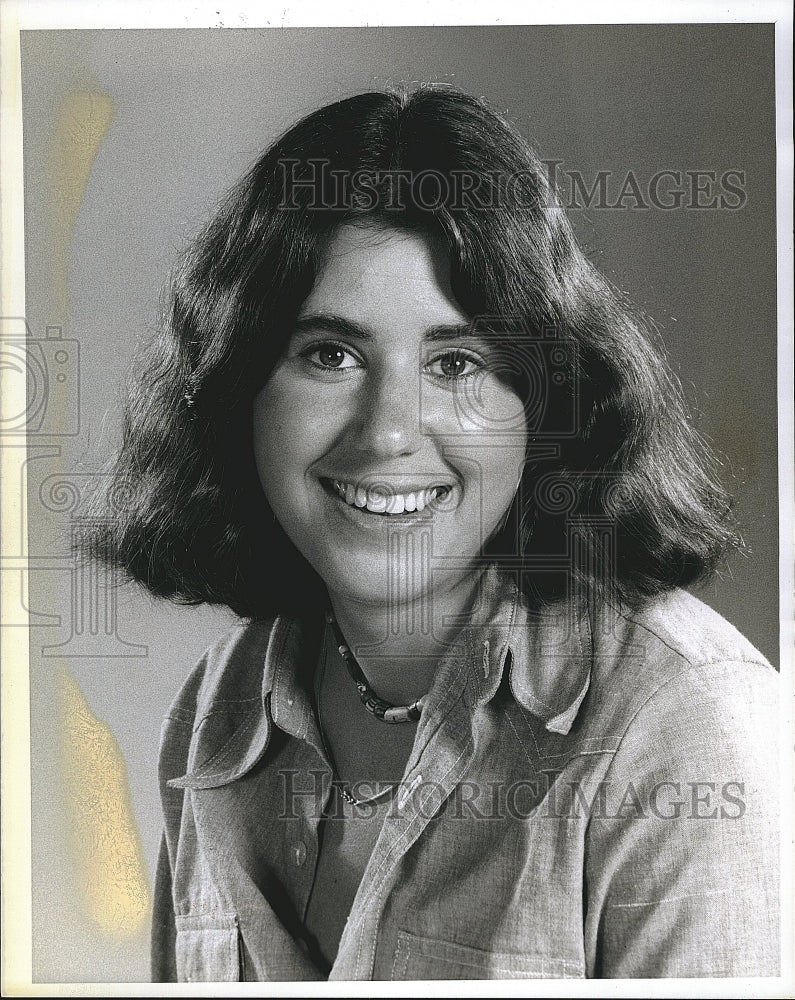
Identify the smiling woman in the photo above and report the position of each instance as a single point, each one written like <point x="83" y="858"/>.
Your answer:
<point x="381" y="447"/>
<point x="470" y="725"/>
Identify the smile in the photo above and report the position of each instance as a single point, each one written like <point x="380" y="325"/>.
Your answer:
<point x="377" y="501"/>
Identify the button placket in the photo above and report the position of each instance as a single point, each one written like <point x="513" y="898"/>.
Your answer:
<point x="306" y="787"/>
<point x="405" y="792"/>
<point x="402" y="829"/>
<point x="441" y="755"/>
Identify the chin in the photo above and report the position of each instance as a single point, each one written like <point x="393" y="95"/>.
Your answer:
<point x="391" y="585"/>
<point x="378" y="591"/>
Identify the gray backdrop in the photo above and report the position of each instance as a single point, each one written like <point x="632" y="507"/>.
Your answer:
<point x="191" y="110"/>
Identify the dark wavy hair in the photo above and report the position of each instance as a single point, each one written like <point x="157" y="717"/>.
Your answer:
<point x="618" y="490"/>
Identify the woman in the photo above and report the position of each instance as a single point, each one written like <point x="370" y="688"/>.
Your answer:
<point x="470" y="725"/>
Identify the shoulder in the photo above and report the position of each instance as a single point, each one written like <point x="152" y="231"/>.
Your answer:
<point x="687" y="707"/>
<point x="691" y="630"/>
<point x="678" y="659"/>
<point x="228" y="677"/>
<point x="230" y="669"/>
<point x="676" y="693"/>
<point x="685" y="839"/>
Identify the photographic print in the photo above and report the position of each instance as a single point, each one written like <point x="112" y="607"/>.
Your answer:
<point x="391" y="503"/>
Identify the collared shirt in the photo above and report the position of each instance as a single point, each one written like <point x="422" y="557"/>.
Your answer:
<point x="589" y="795"/>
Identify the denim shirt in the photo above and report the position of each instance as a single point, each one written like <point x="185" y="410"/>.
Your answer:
<point x="589" y="795"/>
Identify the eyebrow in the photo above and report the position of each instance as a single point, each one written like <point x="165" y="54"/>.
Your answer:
<point x="342" y="327"/>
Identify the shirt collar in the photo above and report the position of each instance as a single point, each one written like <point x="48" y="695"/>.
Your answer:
<point x="251" y="680"/>
<point x="260" y="677"/>
<point x="548" y="650"/>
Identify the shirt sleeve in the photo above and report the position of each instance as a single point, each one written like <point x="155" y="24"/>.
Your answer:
<point x="163" y="950"/>
<point x="174" y="747"/>
<point x="682" y="856"/>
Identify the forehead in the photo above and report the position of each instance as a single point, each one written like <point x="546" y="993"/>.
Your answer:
<point x="371" y="273"/>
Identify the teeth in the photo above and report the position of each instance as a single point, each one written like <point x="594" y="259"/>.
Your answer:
<point x="376" y="502"/>
<point x="396" y="505"/>
<point x="381" y="503"/>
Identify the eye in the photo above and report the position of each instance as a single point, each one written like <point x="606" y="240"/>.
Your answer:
<point x="330" y="356"/>
<point x="455" y="365"/>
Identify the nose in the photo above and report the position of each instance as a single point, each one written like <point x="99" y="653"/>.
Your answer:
<point x="390" y="416"/>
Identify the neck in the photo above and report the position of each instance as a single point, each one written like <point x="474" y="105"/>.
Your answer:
<point x="399" y="645"/>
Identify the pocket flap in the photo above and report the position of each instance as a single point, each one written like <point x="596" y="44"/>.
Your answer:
<point x="429" y="958"/>
<point x="208" y="948"/>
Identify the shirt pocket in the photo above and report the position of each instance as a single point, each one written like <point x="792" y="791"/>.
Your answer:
<point x="208" y="948"/>
<point x="419" y="957"/>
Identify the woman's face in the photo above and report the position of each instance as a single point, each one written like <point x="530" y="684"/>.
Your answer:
<point x="370" y="438"/>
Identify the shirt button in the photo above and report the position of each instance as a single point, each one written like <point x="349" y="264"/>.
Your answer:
<point x="299" y="853"/>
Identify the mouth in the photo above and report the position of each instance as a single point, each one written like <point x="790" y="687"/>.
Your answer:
<point x="379" y="500"/>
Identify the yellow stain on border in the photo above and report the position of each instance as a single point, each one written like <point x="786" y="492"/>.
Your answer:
<point x="105" y="843"/>
<point x="83" y="120"/>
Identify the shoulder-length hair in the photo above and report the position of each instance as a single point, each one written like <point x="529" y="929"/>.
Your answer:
<point x="618" y="490"/>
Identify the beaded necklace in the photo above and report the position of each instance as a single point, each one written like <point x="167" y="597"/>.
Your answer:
<point x="338" y="783"/>
<point x="381" y="709"/>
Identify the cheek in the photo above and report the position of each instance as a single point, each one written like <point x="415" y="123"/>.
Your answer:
<point x="284" y="441"/>
<point x="293" y="427"/>
<point x="501" y="438"/>
<point x="501" y="474"/>
<point x="489" y="413"/>
<point x="270" y="435"/>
